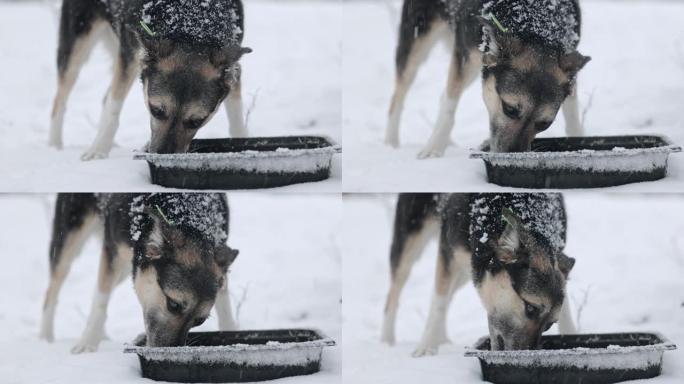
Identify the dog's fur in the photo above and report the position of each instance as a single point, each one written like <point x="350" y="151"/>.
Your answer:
<point x="178" y="273"/>
<point x="518" y="274"/>
<point x="525" y="81"/>
<point x="183" y="82"/>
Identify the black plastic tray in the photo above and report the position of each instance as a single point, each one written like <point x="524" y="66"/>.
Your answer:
<point x="241" y="356"/>
<point x="581" y="162"/>
<point x="576" y="359"/>
<point x="243" y="163"/>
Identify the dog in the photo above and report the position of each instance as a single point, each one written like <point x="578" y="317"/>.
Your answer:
<point x="527" y="54"/>
<point x="511" y="245"/>
<point x="173" y="244"/>
<point x="186" y="54"/>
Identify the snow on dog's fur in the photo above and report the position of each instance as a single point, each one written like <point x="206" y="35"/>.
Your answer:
<point x="510" y="245"/>
<point x="174" y="245"/>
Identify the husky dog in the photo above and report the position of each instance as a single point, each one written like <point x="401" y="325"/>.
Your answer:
<point x="174" y="245"/>
<point x="526" y="52"/>
<point x="186" y="52"/>
<point x="509" y="244"/>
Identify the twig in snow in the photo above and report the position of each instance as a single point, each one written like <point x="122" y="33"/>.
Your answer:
<point x="587" y="108"/>
<point x="580" y="307"/>
<point x="239" y="302"/>
<point x="678" y="256"/>
<point x="250" y="108"/>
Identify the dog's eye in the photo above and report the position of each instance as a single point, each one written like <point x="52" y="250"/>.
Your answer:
<point x="510" y="111"/>
<point x="174" y="306"/>
<point x="157" y="112"/>
<point x="193" y="123"/>
<point x="541" y="126"/>
<point x="531" y="311"/>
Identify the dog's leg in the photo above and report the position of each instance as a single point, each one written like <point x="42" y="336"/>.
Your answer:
<point x="462" y="71"/>
<point x="412" y="51"/>
<point x="75" y="45"/>
<point x="573" y="125"/>
<point x="414" y="226"/>
<point x="224" y="310"/>
<point x="65" y="247"/>
<point x="234" y="109"/>
<point x="566" y="325"/>
<point x="451" y="274"/>
<point x="125" y="70"/>
<point x="113" y="269"/>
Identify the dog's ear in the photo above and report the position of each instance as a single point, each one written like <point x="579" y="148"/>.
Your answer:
<point x="498" y="44"/>
<point x="156" y="48"/>
<point x="509" y="241"/>
<point x="565" y="264"/>
<point x="225" y="57"/>
<point x="225" y="256"/>
<point x="572" y="62"/>
<point x="155" y="240"/>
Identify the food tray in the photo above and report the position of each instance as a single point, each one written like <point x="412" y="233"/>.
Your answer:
<point x="581" y="162"/>
<point x="243" y="163"/>
<point x="575" y="359"/>
<point x="239" y="356"/>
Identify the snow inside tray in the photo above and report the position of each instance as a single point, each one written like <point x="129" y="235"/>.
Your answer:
<point x="234" y="356"/>
<point x="257" y="162"/>
<point x="581" y="162"/>
<point x="590" y="358"/>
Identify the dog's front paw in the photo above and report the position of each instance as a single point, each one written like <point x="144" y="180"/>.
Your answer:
<point x="424" y="350"/>
<point x="388" y="339"/>
<point x="56" y="144"/>
<point x="93" y="154"/>
<point x="47" y="336"/>
<point x="84" y="346"/>
<point x="431" y="153"/>
<point x="392" y="141"/>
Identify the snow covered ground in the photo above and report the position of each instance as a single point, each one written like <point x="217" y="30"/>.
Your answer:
<point x="630" y="263"/>
<point x="633" y="85"/>
<point x="287" y="275"/>
<point x="291" y="83"/>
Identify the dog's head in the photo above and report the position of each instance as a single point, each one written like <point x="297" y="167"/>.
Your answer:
<point x="524" y="84"/>
<point x="177" y="276"/>
<point x="184" y="84"/>
<point x="523" y="288"/>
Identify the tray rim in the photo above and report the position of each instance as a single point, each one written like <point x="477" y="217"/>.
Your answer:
<point x="324" y="341"/>
<point x="664" y="345"/>
<point x="669" y="147"/>
<point x="333" y="148"/>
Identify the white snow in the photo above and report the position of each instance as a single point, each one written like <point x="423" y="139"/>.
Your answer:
<point x="280" y="160"/>
<point x="202" y="211"/>
<point x="630" y="263"/>
<point x="625" y="160"/>
<point x="286" y="276"/>
<point x="290" y="83"/>
<point x="633" y="85"/>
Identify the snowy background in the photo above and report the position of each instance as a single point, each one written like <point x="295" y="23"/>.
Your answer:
<point x="633" y="85"/>
<point x="287" y="275"/>
<point x="291" y="84"/>
<point x="628" y="277"/>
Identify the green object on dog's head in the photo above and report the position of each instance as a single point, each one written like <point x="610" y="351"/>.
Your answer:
<point x="507" y="212"/>
<point x="498" y="24"/>
<point x="147" y="29"/>
<point x="166" y="219"/>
